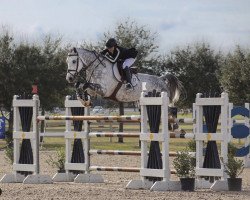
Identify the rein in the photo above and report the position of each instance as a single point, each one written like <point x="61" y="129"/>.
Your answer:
<point x="100" y="62"/>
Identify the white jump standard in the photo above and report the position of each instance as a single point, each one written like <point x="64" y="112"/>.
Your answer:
<point x="19" y="135"/>
<point x="200" y="137"/>
<point x="69" y="137"/>
<point x="146" y="137"/>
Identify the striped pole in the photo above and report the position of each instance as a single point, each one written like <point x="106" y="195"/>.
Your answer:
<point x="118" y="169"/>
<point x="121" y="152"/>
<point x="114" y="121"/>
<point x="114" y="152"/>
<point x="113" y="134"/>
<point x="181" y="135"/>
<point x="136" y="135"/>
<point x="123" y="118"/>
<point x="181" y="120"/>
<point x="135" y="118"/>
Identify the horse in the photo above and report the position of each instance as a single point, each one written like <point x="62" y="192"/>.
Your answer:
<point x="102" y="77"/>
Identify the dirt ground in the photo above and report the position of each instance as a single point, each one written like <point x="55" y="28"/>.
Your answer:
<point x="113" y="188"/>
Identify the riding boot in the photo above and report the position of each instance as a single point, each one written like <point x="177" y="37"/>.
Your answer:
<point x="128" y="78"/>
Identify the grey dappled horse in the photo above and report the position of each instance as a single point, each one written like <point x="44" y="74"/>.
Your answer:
<point x="103" y="78"/>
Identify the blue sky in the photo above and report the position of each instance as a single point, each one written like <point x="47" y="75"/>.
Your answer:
<point x="222" y="23"/>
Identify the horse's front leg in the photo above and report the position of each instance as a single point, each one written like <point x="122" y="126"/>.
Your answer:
<point x="82" y="94"/>
<point x="96" y="88"/>
<point x="81" y="86"/>
<point x="92" y="86"/>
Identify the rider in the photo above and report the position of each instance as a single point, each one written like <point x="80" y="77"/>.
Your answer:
<point x="115" y="53"/>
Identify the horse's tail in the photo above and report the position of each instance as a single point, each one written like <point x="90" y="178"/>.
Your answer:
<point x="174" y="87"/>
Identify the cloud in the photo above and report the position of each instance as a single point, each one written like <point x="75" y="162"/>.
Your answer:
<point x="36" y="29"/>
<point x="224" y="22"/>
<point x="167" y="25"/>
<point x="171" y="24"/>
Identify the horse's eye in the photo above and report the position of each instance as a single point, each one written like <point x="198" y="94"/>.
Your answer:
<point x="74" y="61"/>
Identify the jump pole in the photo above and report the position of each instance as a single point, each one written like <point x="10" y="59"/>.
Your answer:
<point x="132" y="118"/>
<point x="137" y="135"/>
<point x="121" y="152"/>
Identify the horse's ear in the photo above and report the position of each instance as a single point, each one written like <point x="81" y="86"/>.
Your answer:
<point x="74" y="49"/>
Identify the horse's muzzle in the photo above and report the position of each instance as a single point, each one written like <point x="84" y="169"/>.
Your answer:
<point x="70" y="79"/>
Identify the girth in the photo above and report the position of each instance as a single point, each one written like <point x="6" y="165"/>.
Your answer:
<point x="113" y="95"/>
<point x="133" y="70"/>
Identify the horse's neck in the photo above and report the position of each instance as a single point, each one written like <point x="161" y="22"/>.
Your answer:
<point x="103" y="75"/>
<point x="99" y="69"/>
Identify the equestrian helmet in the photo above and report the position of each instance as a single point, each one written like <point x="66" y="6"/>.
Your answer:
<point x="111" y="43"/>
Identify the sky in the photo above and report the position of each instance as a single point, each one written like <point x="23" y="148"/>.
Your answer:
<point x="221" y="23"/>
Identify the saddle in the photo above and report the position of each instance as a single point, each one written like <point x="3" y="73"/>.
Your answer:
<point x="133" y="70"/>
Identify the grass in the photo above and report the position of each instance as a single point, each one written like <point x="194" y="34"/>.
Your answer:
<point x="176" y="144"/>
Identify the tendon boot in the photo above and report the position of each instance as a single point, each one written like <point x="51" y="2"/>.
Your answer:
<point x="128" y="85"/>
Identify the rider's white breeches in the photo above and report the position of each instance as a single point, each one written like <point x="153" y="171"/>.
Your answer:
<point x="128" y="62"/>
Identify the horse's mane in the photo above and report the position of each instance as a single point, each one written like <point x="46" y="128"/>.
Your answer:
<point x="82" y="50"/>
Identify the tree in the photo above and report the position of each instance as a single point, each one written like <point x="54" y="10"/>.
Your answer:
<point x="195" y="66"/>
<point x="21" y="64"/>
<point x="129" y="34"/>
<point x="53" y="86"/>
<point x="235" y="73"/>
<point x="6" y="70"/>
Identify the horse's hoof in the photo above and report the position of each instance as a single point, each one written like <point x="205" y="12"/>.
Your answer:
<point x="128" y="86"/>
<point x="87" y="104"/>
<point x="84" y="103"/>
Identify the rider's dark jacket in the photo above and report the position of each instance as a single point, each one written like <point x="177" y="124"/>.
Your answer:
<point x="120" y="54"/>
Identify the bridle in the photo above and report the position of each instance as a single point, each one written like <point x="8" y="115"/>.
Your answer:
<point x="75" y="73"/>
